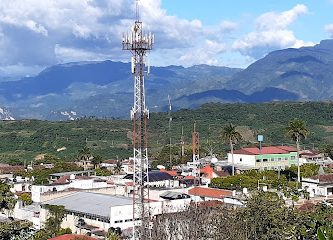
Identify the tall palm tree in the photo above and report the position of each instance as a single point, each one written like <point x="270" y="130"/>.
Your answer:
<point x="232" y="136"/>
<point x="297" y="131"/>
<point x="84" y="153"/>
<point x="118" y="168"/>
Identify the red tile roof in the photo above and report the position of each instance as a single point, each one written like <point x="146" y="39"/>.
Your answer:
<point x="208" y="171"/>
<point x="172" y="172"/>
<point x="111" y="161"/>
<point x="72" y="237"/>
<point x="189" y="177"/>
<point x="10" y="169"/>
<point x="266" y="150"/>
<point x="209" y="192"/>
<point x="325" y="178"/>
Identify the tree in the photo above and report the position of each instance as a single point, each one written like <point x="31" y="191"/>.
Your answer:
<point x="84" y="153"/>
<point x="297" y="131"/>
<point x="118" y="167"/>
<point x="25" y="198"/>
<point x="7" y="200"/>
<point x="97" y="159"/>
<point x="56" y="215"/>
<point x="232" y="136"/>
<point x="113" y="234"/>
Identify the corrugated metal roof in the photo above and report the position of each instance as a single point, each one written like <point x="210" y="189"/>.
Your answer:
<point x="91" y="203"/>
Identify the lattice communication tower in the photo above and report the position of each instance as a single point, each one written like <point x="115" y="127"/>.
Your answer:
<point x="139" y="44"/>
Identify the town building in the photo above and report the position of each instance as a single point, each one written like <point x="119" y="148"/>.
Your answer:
<point x="55" y="176"/>
<point x="311" y="156"/>
<point x="88" y="212"/>
<point x="273" y="157"/>
<point x="319" y="185"/>
<point x="208" y="194"/>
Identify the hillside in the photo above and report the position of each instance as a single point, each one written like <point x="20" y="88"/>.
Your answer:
<point x="307" y="72"/>
<point x="23" y="140"/>
<point x="103" y="89"/>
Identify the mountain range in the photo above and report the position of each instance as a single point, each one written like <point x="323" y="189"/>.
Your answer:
<point x="105" y="89"/>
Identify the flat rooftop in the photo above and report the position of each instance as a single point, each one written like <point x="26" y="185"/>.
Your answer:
<point x="90" y="203"/>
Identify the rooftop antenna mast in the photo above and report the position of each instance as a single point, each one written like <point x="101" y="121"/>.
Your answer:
<point x="170" y="120"/>
<point x="139" y="44"/>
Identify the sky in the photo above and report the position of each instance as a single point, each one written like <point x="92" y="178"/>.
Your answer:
<point x="35" y="34"/>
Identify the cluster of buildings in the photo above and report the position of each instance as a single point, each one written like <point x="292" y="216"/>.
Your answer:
<point x="94" y="204"/>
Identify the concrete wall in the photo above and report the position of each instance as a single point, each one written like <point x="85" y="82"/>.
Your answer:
<point x="242" y="159"/>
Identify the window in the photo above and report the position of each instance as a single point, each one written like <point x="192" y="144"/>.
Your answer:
<point x="128" y="220"/>
<point x="279" y="159"/>
<point x="286" y="158"/>
<point x="292" y="157"/>
<point x="119" y="221"/>
<point x="265" y="160"/>
<point x="272" y="159"/>
<point x="258" y="160"/>
<point x="240" y="159"/>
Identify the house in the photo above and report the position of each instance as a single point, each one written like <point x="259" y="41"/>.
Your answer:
<point x="157" y="179"/>
<point x="319" y="185"/>
<point x="315" y="157"/>
<point x="67" y="182"/>
<point x="272" y="157"/>
<point x="55" y="176"/>
<point x="207" y="194"/>
<point x="85" y="164"/>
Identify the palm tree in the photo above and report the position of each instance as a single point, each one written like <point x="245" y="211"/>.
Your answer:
<point x="118" y="168"/>
<point x="232" y="136"/>
<point x="84" y="153"/>
<point x="297" y="131"/>
<point x="97" y="159"/>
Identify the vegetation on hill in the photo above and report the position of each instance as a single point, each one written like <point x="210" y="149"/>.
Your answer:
<point x="111" y="138"/>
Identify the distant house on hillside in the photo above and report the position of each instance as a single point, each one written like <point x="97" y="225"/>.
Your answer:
<point x="273" y="157"/>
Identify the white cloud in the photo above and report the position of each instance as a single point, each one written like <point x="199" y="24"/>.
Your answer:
<point x="272" y="33"/>
<point x="273" y="20"/>
<point x="42" y="33"/>
<point x="329" y="29"/>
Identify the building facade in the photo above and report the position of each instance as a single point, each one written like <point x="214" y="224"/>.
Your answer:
<point x="266" y="158"/>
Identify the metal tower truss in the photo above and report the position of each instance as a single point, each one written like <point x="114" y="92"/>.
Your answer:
<point x="196" y="162"/>
<point x="139" y="43"/>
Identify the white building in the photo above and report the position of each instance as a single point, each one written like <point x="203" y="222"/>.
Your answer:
<point x="319" y="185"/>
<point x="67" y="182"/>
<point x="86" y="211"/>
<point x="274" y="157"/>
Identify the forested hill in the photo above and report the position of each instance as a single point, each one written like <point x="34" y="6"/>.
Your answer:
<point x="23" y="140"/>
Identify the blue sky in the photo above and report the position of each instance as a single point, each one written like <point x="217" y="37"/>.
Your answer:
<point x="35" y="34"/>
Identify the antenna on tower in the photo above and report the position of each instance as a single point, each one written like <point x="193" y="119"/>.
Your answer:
<point x="139" y="44"/>
<point x="137" y="10"/>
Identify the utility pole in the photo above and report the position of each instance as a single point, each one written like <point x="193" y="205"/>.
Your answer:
<point x="182" y="143"/>
<point x="139" y="44"/>
<point x="195" y="156"/>
<point x="170" y="142"/>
